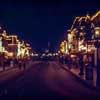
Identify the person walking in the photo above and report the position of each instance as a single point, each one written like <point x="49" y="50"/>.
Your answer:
<point x="69" y="62"/>
<point x="20" y="63"/>
<point x="4" y="65"/>
<point x="3" y="61"/>
<point x="24" y="63"/>
<point x="81" y="64"/>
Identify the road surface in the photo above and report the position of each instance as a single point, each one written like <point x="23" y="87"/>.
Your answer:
<point x="47" y="80"/>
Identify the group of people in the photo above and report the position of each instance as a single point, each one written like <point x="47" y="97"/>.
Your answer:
<point x="80" y="61"/>
<point x="8" y="62"/>
<point x="22" y="63"/>
<point x="66" y="59"/>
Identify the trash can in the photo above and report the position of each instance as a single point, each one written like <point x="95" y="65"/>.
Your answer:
<point x="88" y="72"/>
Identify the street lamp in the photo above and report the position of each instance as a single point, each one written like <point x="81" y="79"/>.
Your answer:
<point x="97" y="37"/>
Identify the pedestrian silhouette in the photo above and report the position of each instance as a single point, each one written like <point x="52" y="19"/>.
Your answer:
<point x="24" y="63"/>
<point x="20" y="63"/>
<point x="3" y="65"/>
<point x="81" y="64"/>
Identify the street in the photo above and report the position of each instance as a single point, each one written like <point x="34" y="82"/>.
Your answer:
<point x="46" y="80"/>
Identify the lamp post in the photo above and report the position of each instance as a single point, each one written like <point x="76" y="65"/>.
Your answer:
<point x="97" y="37"/>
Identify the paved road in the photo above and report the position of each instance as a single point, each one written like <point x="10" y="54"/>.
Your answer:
<point x="48" y="80"/>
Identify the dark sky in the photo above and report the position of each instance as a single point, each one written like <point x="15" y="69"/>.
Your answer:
<point x="39" y="22"/>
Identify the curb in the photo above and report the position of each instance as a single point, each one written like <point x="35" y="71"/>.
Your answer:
<point x="85" y="82"/>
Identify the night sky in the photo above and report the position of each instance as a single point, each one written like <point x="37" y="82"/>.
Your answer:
<point x="39" y="22"/>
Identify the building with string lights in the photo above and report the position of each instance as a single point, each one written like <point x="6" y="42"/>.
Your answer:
<point x="12" y="47"/>
<point x="81" y="36"/>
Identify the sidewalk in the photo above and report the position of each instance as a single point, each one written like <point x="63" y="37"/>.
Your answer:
<point x="6" y="68"/>
<point x="75" y="70"/>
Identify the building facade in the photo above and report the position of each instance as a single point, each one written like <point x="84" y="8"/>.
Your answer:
<point x="80" y="37"/>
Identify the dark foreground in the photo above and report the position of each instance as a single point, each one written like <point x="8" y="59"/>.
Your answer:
<point x="47" y="80"/>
